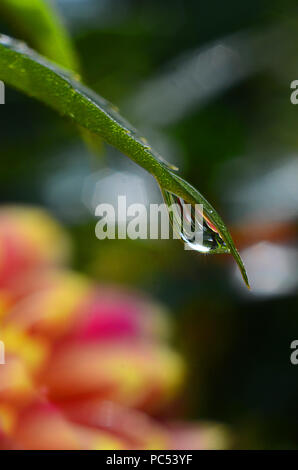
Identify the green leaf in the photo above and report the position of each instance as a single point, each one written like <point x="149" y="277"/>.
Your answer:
<point x="32" y="74"/>
<point x="40" y="25"/>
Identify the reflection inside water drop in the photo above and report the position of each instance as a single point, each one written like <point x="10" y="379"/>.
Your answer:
<point x="193" y="226"/>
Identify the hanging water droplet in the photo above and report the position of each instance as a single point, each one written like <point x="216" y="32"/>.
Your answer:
<point x="193" y="226"/>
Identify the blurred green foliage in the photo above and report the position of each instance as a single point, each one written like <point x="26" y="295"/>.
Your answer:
<point x="237" y="346"/>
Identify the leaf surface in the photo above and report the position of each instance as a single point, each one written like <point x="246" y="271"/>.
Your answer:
<point x="30" y="73"/>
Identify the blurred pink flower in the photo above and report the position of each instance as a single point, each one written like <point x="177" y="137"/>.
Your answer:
<point x="86" y="365"/>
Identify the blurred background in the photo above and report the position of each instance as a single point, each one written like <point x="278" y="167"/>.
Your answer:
<point x="209" y="86"/>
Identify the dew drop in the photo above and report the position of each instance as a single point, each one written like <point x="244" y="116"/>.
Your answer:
<point x="114" y="108"/>
<point x="188" y="220"/>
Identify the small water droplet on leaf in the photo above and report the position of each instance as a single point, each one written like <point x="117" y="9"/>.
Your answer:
<point x="193" y="226"/>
